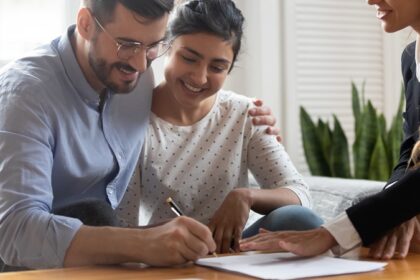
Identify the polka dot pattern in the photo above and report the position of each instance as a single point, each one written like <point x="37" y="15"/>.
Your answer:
<point x="199" y="165"/>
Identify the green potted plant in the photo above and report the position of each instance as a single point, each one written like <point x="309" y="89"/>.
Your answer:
<point x="375" y="149"/>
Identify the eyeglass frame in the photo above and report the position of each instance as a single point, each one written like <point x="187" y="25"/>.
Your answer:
<point x="134" y="46"/>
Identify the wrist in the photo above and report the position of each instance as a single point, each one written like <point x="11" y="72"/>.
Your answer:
<point x="244" y="194"/>
<point x="328" y="237"/>
<point x="100" y="245"/>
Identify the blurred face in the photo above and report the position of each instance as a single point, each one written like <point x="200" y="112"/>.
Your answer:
<point x="397" y="14"/>
<point x="112" y="71"/>
<point x="196" y="68"/>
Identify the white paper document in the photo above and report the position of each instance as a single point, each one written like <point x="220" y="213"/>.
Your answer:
<point x="288" y="266"/>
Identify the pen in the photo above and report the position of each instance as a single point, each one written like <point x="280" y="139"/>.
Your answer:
<point x="175" y="208"/>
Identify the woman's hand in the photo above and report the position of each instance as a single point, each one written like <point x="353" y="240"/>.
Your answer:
<point x="229" y="220"/>
<point x="398" y="242"/>
<point x="302" y="243"/>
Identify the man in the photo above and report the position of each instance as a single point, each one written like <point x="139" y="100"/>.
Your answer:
<point x="69" y="130"/>
<point x="67" y="135"/>
<point x="73" y="116"/>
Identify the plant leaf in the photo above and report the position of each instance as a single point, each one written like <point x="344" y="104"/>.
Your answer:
<point x="355" y="101"/>
<point x="312" y="146"/>
<point x="379" y="167"/>
<point x="340" y="157"/>
<point x="365" y="142"/>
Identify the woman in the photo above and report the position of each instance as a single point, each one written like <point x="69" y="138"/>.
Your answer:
<point x="386" y="222"/>
<point x="201" y="142"/>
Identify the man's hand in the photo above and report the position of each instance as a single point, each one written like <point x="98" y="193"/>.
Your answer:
<point x="262" y="115"/>
<point x="302" y="243"/>
<point x="175" y="242"/>
<point x="396" y="243"/>
<point x="229" y="220"/>
<point x="178" y="241"/>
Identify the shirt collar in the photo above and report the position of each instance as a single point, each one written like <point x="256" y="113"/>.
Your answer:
<point x="74" y="72"/>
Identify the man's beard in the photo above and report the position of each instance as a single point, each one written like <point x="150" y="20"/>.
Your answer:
<point x="103" y="71"/>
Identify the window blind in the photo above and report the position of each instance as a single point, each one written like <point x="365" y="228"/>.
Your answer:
<point x="331" y="44"/>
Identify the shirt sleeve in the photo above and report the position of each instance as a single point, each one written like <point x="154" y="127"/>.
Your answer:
<point x="272" y="167"/>
<point x="30" y="235"/>
<point x="344" y="233"/>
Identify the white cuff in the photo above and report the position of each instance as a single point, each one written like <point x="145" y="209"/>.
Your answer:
<point x="344" y="233"/>
<point x="387" y="186"/>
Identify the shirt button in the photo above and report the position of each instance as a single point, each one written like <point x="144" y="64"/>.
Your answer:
<point x="119" y="157"/>
<point x="110" y="192"/>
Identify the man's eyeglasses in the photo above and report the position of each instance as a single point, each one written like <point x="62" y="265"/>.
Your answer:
<point x="126" y="50"/>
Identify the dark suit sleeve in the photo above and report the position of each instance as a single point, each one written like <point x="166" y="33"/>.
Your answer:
<point x="411" y="114"/>
<point x="376" y="215"/>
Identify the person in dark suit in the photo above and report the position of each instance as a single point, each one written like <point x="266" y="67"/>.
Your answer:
<point x="386" y="222"/>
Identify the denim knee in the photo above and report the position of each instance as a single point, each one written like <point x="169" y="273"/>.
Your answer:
<point x="293" y="217"/>
<point x="290" y="217"/>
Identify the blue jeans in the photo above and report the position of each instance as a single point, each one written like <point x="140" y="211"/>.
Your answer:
<point x="290" y="217"/>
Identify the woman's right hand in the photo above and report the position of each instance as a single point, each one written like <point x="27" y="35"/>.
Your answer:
<point x="302" y="243"/>
<point x="396" y="243"/>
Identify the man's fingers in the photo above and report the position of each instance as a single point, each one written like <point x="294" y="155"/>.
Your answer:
<point x="200" y="232"/>
<point x="197" y="247"/>
<point x="190" y="254"/>
<point x="264" y="120"/>
<point x="271" y="130"/>
<point x="259" y="111"/>
<point x="257" y="102"/>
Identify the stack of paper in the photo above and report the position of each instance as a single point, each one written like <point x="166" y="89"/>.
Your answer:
<point x="288" y="266"/>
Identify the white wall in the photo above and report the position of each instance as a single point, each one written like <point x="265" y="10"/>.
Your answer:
<point x="258" y="72"/>
<point x="27" y="24"/>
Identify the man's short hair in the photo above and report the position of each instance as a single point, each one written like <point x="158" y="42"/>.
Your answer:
<point x="149" y="9"/>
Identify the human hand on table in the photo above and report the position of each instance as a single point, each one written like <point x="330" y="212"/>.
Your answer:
<point x="396" y="243"/>
<point x="302" y="243"/>
<point x="229" y="220"/>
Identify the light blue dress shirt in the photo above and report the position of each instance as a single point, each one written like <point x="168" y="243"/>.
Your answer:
<point x="56" y="148"/>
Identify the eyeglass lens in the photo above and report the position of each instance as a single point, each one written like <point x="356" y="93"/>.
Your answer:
<point x="153" y="52"/>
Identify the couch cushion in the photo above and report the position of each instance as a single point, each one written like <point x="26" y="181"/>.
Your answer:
<point x="331" y="196"/>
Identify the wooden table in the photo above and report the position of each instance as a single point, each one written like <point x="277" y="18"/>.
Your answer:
<point x="407" y="269"/>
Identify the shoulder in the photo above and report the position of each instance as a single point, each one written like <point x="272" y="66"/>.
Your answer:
<point x="31" y="72"/>
<point x="408" y="62"/>
<point x="230" y="100"/>
<point x="408" y="55"/>
<point x="409" y="51"/>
